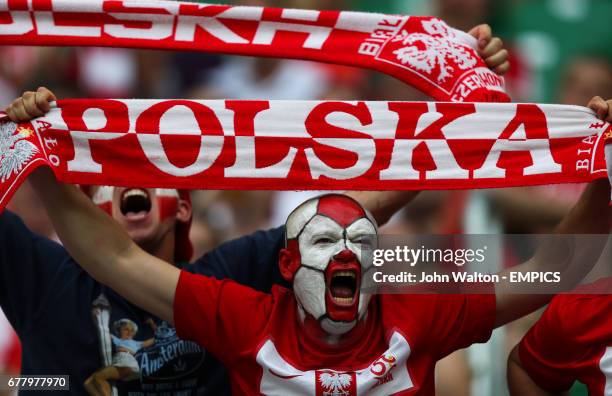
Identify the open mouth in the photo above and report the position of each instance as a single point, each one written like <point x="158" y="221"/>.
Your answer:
<point x="135" y="202"/>
<point x="343" y="287"/>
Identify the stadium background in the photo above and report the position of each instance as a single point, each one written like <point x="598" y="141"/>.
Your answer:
<point x="560" y="50"/>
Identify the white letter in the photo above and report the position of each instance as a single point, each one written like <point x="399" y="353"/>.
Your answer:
<point x="401" y="167"/>
<point x="209" y="149"/>
<point x="245" y="161"/>
<point x="538" y="149"/>
<point x="317" y="35"/>
<point x="83" y="161"/>
<point x="94" y="119"/>
<point x="161" y="26"/>
<point x="45" y="21"/>
<point x="186" y="24"/>
<point x="364" y="148"/>
<point x="22" y="23"/>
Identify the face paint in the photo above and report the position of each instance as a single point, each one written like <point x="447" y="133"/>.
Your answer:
<point x="103" y="198"/>
<point x="137" y="200"/>
<point x="329" y="235"/>
<point x="168" y="200"/>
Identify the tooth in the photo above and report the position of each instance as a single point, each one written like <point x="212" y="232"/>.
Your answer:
<point x="132" y="193"/>
<point x="345" y="273"/>
<point x="343" y="300"/>
<point x="135" y="192"/>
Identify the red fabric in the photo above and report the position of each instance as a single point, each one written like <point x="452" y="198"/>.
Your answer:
<point x="13" y="357"/>
<point x="305" y="145"/>
<point x="401" y="46"/>
<point x="10" y="348"/>
<point x="396" y="349"/>
<point x="572" y="341"/>
<point x="343" y="210"/>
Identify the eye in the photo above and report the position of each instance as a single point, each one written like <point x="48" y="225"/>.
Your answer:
<point x="323" y="240"/>
<point x="362" y="241"/>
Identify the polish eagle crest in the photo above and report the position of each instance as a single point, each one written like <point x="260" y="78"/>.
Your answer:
<point x="439" y="48"/>
<point x="335" y="384"/>
<point x="15" y="149"/>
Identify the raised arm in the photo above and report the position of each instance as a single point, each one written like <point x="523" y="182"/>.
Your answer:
<point x="104" y="249"/>
<point x="591" y="215"/>
<point x="383" y="204"/>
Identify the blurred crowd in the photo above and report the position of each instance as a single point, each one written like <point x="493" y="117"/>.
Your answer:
<point x="560" y="52"/>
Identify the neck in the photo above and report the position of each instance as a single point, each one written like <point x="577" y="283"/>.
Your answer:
<point x="314" y="333"/>
<point x="163" y="250"/>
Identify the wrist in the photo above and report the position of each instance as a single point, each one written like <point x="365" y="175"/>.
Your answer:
<point x="42" y="180"/>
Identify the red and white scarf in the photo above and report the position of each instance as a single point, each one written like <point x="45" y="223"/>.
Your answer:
<point x="420" y="51"/>
<point x="292" y="145"/>
<point x="303" y="145"/>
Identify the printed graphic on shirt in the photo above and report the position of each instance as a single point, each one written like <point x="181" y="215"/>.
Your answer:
<point x="386" y="375"/>
<point x="148" y="359"/>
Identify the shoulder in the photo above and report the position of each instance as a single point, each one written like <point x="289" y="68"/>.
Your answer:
<point x="428" y="304"/>
<point x="281" y="294"/>
<point x="10" y="222"/>
<point x="446" y="322"/>
<point x="251" y="260"/>
<point x="258" y="242"/>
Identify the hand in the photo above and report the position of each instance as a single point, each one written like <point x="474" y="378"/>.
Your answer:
<point x="603" y="108"/>
<point x="151" y="324"/>
<point x="491" y="49"/>
<point x="30" y="105"/>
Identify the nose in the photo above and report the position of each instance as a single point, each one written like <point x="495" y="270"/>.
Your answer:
<point x="344" y="256"/>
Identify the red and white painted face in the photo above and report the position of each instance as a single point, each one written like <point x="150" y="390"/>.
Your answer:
<point x="147" y="214"/>
<point x="330" y="234"/>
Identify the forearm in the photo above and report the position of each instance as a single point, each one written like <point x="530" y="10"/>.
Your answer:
<point x="383" y="204"/>
<point x="81" y="226"/>
<point x="574" y="257"/>
<point x="519" y="381"/>
<point x="567" y="255"/>
<point x="592" y="213"/>
<point x="104" y="249"/>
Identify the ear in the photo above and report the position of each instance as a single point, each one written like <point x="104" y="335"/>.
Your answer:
<point x="183" y="211"/>
<point x="288" y="264"/>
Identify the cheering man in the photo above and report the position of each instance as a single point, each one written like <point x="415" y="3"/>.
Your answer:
<point x="327" y="335"/>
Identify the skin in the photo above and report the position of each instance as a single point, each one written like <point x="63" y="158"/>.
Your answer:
<point x="491" y="49"/>
<point x="519" y="382"/>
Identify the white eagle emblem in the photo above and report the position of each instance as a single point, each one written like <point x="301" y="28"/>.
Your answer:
<point x="335" y="384"/>
<point x="15" y="150"/>
<point x="425" y="52"/>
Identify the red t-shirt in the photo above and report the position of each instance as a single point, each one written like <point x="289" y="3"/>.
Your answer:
<point x="573" y="341"/>
<point x="259" y="338"/>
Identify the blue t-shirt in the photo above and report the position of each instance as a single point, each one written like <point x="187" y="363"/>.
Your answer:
<point x="66" y="320"/>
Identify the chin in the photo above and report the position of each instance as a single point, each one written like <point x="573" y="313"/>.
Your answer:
<point x="142" y="238"/>
<point x="337" y="328"/>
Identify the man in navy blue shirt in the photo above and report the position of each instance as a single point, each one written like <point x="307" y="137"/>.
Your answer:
<point x="70" y="324"/>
